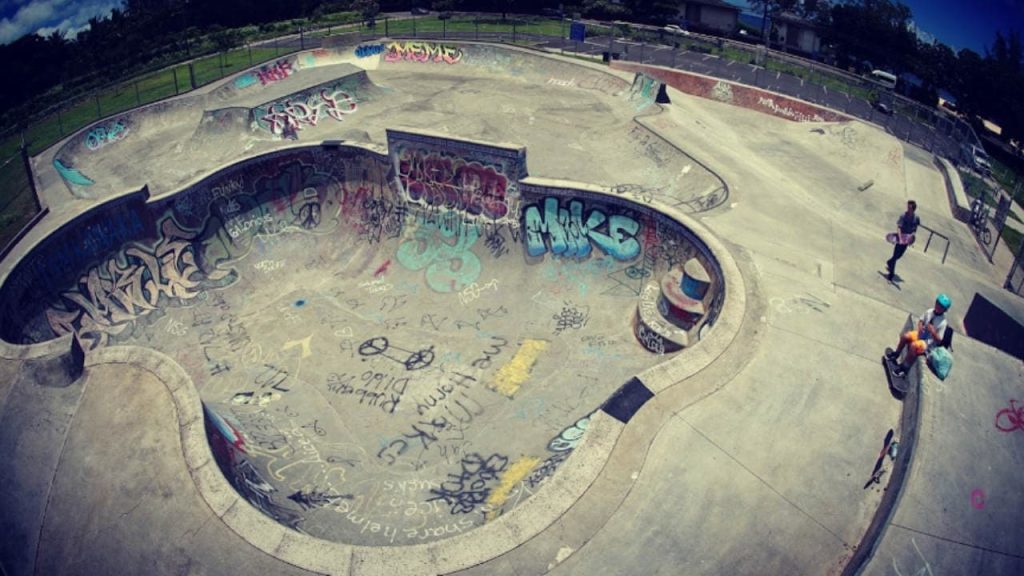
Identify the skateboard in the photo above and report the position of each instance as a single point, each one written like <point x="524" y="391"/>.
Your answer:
<point x="896" y="279"/>
<point x="888" y="447"/>
<point x="897" y="383"/>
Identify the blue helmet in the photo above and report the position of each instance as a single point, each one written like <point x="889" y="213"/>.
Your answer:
<point x="944" y="301"/>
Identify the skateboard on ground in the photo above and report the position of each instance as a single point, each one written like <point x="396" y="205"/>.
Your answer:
<point x="897" y="383"/>
<point x="895" y="282"/>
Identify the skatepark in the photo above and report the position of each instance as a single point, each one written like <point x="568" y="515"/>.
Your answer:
<point x="441" y="307"/>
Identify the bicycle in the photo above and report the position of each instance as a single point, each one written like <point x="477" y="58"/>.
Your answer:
<point x="979" y="222"/>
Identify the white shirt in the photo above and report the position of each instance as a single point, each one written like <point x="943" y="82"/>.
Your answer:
<point x="936" y="320"/>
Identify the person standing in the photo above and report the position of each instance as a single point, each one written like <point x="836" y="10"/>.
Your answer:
<point x="906" y="228"/>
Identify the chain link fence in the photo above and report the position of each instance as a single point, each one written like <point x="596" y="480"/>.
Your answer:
<point x="18" y="201"/>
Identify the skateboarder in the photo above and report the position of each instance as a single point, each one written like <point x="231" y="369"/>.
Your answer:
<point x="907" y="227"/>
<point x="931" y="329"/>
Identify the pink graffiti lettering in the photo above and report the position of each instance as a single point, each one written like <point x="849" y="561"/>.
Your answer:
<point x="440" y="180"/>
<point x="978" y="499"/>
<point x="293" y="116"/>
<point x="1010" y="419"/>
<point x="274" y="72"/>
<point x="422" y="52"/>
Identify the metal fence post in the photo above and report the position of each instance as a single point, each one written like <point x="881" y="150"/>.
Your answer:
<point x="302" y="40"/>
<point x="386" y="26"/>
<point x="174" y="71"/>
<point x="249" y="46"/>
<point x="192" y="75"/>
<point x="414" y="27"/>
<point x="60" y="122"/>
<point x="138" y="99"/>
<point x="513" y="31"/>
<point x="444" y="29"/>
<point x="28" y="172"/>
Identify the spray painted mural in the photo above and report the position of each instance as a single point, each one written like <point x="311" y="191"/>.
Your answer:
<point x="390" y="349"/>
<point x="422" y="52"/>
<point x="289" y="116"/>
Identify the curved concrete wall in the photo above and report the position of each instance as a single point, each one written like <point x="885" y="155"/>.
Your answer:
<point x="736" y="94"/>
<point x="109" y="276"/>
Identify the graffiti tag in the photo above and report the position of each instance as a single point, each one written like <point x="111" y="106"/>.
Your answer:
<point x="569" y="234"/>
<point x="422" y="52"/>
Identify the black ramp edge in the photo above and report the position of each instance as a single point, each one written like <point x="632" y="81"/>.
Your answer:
<point x="987" y="322"/>
<point x="627" y="400"/>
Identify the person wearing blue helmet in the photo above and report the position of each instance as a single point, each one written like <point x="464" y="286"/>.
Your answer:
<point x="931" y="328"/>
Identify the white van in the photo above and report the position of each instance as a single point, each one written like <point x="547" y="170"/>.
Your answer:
<point x="884" y="78"/>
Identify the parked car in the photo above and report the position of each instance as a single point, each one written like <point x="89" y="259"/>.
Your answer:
<point x="883" y="108"/>
<point x="674" y="29"/>
<point x="419" y="11"/>
<point x="980" y="160"/>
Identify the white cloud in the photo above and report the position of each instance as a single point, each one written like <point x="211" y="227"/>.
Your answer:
<point x="923" y="36"/>
<point x="45" y="16"/>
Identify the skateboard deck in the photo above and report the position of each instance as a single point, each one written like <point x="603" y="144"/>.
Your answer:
<point x="898" y="384"/>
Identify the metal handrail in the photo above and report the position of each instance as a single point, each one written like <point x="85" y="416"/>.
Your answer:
<point x="932" y="233"/>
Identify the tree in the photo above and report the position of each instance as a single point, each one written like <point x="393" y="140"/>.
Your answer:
<point x="768" y="9"/>
<point x="226" y="39"/>
<point x="877" y="31"/>
<point x="657" y="11"/>
<point x="368" y="10"/>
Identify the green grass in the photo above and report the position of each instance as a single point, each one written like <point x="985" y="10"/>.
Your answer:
<point x="432" y="24"/>
<point x="17" y="205"/>
<point x="1012" y="239"/>
<point x="814" y="76"/>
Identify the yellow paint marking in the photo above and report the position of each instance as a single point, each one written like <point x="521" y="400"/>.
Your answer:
<point x="306" y="353"/>
<point x="512" y="375"/>
<point x="515" y="474"/>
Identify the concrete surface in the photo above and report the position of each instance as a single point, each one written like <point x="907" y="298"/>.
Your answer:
<point x="753" y="459"/>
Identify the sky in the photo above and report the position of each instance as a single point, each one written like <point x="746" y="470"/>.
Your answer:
<point x="961" y="23"/>
<point x="967" y="24"/>
<point x="956" y="23"/>
<point x="20" y="17"/>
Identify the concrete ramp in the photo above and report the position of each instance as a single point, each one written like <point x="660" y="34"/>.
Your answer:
<point x="508" y="64"/>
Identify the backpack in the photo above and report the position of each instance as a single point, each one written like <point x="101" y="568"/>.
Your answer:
<point x="940" y="360"/>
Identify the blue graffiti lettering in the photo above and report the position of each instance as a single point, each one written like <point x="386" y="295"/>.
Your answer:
<point x="446" y="253"/>
<point x="245" y="80"/>
<point x="569" y="235"/>
<point x="71" y="175"/>
<point x="367" y="50"/>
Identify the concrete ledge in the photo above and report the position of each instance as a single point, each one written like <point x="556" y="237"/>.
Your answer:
<point x="959" y="204"/>
<point x="909" y="426"/>
<point x="654" y="332"/>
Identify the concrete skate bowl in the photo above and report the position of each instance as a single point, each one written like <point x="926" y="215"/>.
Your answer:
<point x="578" y="120"/>
<point x="389" y="350"/>
<point x="379" y="368"/>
